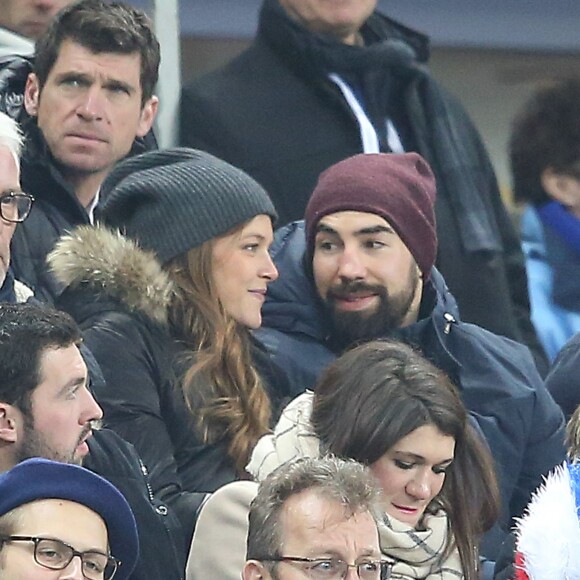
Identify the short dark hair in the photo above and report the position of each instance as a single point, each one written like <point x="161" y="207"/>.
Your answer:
<point x="546" y="133"/>
<point x="387" y="390"/>
<point x="344" y="481"/>
<point x="26" y="332"/>
<point x="101" y="27"/>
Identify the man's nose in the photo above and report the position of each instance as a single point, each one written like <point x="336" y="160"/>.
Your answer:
<point x="92" y="411"/>
<point x="91" y="106"/>
<point x="74" y="571"/>
<point x="351" y="265"/>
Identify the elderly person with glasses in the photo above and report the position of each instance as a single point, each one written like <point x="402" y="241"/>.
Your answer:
<point x="14" y="206"/>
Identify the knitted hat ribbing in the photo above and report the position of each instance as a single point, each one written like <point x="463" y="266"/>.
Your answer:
<point x="397" y="187"/>
<point x="173" y="200"/>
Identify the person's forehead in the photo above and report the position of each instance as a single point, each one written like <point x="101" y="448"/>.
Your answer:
<point x="116" y="65"/>
<point x="9" y="172"/>
<point x="321" y="526"/>
<point x="350" y="221"/>
<point x="62" y="363"/>
<point x="62" y="519"/>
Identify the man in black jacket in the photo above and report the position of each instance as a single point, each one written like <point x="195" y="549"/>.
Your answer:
<point x="325" y="80"/>
<point x="47" y="410"/>
<point x="90" y="101"/>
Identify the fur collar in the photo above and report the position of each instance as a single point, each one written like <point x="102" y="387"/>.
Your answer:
<point x="106" y="263"/>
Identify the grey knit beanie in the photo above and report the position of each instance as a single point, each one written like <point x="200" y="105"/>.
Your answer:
<point x="173" y="200"/>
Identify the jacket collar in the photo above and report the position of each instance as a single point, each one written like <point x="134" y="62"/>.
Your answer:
<point x="99" y="261"/>
<point x="292" y="304"/>
<point x="284" y="33"/>
<point x="42" y="177"/>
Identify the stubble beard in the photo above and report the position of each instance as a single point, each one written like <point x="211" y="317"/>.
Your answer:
<point x="34" y="444"/>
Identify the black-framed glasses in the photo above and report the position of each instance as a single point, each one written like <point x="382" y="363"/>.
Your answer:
<point x="15" y="206"/>
<point x="57" y="555"/>
<point x="334" y="568"/>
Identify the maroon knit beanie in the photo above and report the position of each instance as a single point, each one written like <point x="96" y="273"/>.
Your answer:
<point x="398" y="187"/>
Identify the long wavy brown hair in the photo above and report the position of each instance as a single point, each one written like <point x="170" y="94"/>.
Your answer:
<point x="221" y="387"/>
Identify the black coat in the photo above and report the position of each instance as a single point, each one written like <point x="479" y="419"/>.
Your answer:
<point x="163" y="544"/>
<point x="262" y="113"/>
<point x="121" y="307"/>
<point x="563" y="380"/>
<point x="56" y="211"/>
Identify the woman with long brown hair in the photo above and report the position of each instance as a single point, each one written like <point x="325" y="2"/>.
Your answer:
<point x="167" y="290"/>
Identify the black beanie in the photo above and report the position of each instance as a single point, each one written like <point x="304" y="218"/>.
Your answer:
<point x="173" y="200"/>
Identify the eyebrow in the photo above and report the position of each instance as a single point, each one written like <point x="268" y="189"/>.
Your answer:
<point x="378" y="229"/>
<point x="254" y="235"/>
<point x="416" y="457"/>
<point x="84" y="77"/>
<point x="78" y="382"/>
<point x="332" y="553"/>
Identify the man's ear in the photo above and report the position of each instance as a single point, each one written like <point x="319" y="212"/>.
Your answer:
<point x="560" y="186"/>
<point x="31" y="95"/>
<point x="253" y="570"/>
<point x="9" y="417"/>
<point x="148" y="114"/>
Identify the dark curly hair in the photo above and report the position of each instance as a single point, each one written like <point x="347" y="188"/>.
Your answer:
<point x="546" y="134"/>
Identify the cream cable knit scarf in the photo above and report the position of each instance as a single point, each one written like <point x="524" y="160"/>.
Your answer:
<point x="417" y="552"/>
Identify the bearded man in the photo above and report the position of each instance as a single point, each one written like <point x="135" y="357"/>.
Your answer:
<point x="361" y="267"/>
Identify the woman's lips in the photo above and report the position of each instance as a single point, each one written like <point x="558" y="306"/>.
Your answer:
<point x="406" y="509"/>
<point x="260" y="294"/>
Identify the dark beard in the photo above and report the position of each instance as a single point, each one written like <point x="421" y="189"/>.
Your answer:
<point x="35" y="445"/>
<point x="351" y="328"/>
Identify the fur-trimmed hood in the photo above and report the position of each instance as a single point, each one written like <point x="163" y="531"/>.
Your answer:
<point x="110" y="265"/>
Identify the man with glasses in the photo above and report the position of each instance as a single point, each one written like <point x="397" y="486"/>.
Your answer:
<point x="315" y="518"/>
<point x="62" y="521"/>
<point x="14" y="204"/>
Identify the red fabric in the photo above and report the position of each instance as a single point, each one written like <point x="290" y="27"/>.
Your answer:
<point x="520" y="573"/>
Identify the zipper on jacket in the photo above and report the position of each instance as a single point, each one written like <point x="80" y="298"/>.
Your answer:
<point x="449" y="320"/>
<point x="160" y="509"/>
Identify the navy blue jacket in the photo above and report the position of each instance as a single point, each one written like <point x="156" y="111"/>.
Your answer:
<point x="496" y="376"/>
<point x="563" y="380"/>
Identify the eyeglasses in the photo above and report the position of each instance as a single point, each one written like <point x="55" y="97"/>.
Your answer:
<point x="56" y="555"/>
<point x="15" y="206"/>
<point x="333" y="568"/>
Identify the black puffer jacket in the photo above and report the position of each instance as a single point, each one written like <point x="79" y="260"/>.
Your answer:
<point x="119" y="295"/>
<point x="55" y="211"/>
